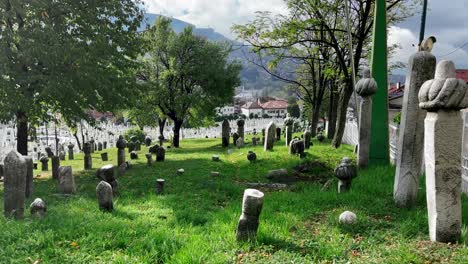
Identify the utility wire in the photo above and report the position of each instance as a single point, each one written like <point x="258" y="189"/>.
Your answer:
<point x="453" y="51"/>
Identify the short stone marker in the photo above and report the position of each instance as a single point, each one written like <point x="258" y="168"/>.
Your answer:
<point x="66" y="180"/>
<point x="215" y="158"/>
<point x="443" y="98"/>
<point x="149" y="159"/>
<point x="288" y="124"/>
<point x="49" y="152"/>
<point x="278" y="133"/>
<point x="365" y="87"/>
<point x="320" y="136"/>
<point x="254" y="140"/>
<point x="251" y="156"/>
<point x="347" y="218"/>
<point x="107" y="174"/>
<point x="240" y="127"/>
<point x="307" y="139"/>
<point x="240" y="142"/>
<point x="104" y="156"/>
<point x="133" y="155"/>
<point x="105" y="196"/>
<point x="160" y="153"/>
<point x="160" y="186"/>
<point x="14" y="185"/>
<point x="180" y="171"/>
<point x="345" y="172"/>
<point x="252" y="204"/>
<point x="71" y="155"/>
<point x="148" y="141"/>
<point x="235" y="137"/>
<point x="215" y="173"/>
<point x="38" y="208"/>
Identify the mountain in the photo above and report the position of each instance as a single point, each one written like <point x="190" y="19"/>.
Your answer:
<point x="252" y="77"/>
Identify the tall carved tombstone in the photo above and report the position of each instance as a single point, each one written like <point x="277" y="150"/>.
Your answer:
<point x="365" y="87"/>
<point x="121" y="145"/>
<point x="252" y="204"/>
<point x="443" y="97"/>
<point x="88" y="160"/>
<point x="270" y="136"/>
<point x="421" y="68"/>
<point x="465" y="154"/>
<point x="307" y="137"/>
<point x="240" y="127"/>
<point x="29" y="176"/>
<point x="288" y="126"/>
<point x="70" y="151"/>
<point x="44" y="163"/>
<point x="225" y="131"/>
<point x="14" y="186"/>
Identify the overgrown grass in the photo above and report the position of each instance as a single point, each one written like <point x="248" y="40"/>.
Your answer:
<point x="195" y="219"/>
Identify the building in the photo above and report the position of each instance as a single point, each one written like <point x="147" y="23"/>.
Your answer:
<point x="462" y="74"/>
<point x="226" y="110"/>
<point x="265" y="106"/>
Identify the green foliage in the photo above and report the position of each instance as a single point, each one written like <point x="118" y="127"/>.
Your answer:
<point x="397" y="118"/>
<point x="293" y="109"/>
<point x="135" y="132"/>
<point x="194" y="220"/>
<point x="67" y="56"/>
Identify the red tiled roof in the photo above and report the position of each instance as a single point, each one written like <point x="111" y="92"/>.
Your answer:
<point x="462" y="74"/>
<point x="251" y="105"/>
<point x="276" y="104"/>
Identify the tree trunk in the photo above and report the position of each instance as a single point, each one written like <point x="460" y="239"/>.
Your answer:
<point x="315" y="118"/>
<point x="77" y="140"/>
<point x="22" y="133"/>
<point x="332" y="111"/>
<point x="162" y="124"/>
<point x="177" y="126"/>
<point x="56" y="141"/>
<point x="341" y="115"/>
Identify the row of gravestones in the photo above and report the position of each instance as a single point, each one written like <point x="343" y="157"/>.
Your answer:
<point x="431" y="126"/>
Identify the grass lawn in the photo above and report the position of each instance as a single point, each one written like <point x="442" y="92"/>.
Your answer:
<point x="194" y="221"/>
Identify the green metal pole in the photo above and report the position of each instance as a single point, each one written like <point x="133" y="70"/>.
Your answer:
<point x="423" y="22"/>
<point x="379" y="146"/>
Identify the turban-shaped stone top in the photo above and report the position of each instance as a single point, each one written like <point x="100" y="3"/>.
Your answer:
<point x="367" y="85"/>
<point x="444" y="91"/>
<point x="288" y="121"/>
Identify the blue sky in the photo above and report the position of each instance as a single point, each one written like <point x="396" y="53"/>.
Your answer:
<point x="447" y="20"/>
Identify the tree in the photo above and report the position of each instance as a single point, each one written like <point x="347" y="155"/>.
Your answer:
<point x="188" y="76"/>
<point x="314" y="34"/>
<point x="293" y="108"/>
<point x="65" y="57"/>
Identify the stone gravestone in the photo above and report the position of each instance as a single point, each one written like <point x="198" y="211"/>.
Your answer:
<point x="55" y="167"/>
<point x="345" y="172"/>
<point x="240" y="142"/>
<point x="254" y="140"/>
<point x="49" y="152"/>
<point x="66" y="180"/>
<point x="62" y="155"/>
<point x="270" y="136"/>
<point x="88" y="160"/>
<point x="235" y="137"/>
<point x="14" y="185"/>
<point x="159" y="186"/>
<point x="147" y="141"/>
<point x="107" y="174"/>
<point x="278" y="133"/>
<point x="225" y="131"/>
<point x="409" y="156"/>
<point x="288" y="124"/>
<point x="240" y="128"/>
<point x="307" y="139"/>
<point x="29" y="176"/>
<point x="99" y="146"/>
<point x="121" y="144"/>
<point x="38" y="208"/>
<point x="70" y="151"/>
<point x="443" y="97"/>
<point x="365" y="87"/>
<point x="252" y="204"/>
<point x="296" y="146"/>
<point x="44" y="163"/>
<point x="104" y="156"/>
<point x="160" y="153"/>
<point x="149" y="159"/>
<point x="92" y="146"/>
<point x="104" y="145"/>
<point x="133" y="155"/>
<point x="105" y="196"/>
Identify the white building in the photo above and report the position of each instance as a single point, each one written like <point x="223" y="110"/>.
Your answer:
<point x="226" y="110"/>
<point x="273" y="108"/>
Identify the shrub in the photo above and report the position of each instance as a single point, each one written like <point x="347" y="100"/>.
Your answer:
<point x="397" y="118"/>
<point x="139" y="134"/>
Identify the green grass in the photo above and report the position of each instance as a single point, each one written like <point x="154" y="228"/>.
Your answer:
<point x="195" y="220"/>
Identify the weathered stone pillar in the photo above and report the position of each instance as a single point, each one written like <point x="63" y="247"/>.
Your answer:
<point x="88" y="160"/>
<point x="278" y="133"/>
<point x="14" y="186"/>
<point x="104" y="196"/>
<point x="70" y="151"/>
<point x="92" y="146"/>
<point x="148" y="141"/>
<point x="307" y="138"/>
<point x="240" y="127"/>
<point x="149" y="159"/>
<point x="249" y="220"/>
<point x="160" y="153"/>
<point x="288" y="126"/>
<point x="225" y="131"/>
<point x="49" y="152"/>
<point x="159" y="186"/>
<point x="270" y="136"/>
<point x="365" y="87"/>
<point x="66" y="180"/>
<point x="443" y="97"/>
<point x="121" y="144"/>
<point x="263" y="136"/>
<point x="29" y="176"/>
<point x="409" y="154"/>
<point x="55" y="167"/>
<point x="99" y="146"/>
<point x="235" y="137"/>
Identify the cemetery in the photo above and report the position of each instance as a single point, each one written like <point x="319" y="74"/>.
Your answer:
<point x="121" y="154"/>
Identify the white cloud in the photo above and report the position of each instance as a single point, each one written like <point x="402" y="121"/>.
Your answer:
<point x="219" y="14"/>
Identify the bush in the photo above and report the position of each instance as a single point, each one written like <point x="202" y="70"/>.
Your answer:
<point x="397" y="118"/>
<point x="251" y="115"/>
<point x="139" y="134"/>
<point x="265" y="116"/>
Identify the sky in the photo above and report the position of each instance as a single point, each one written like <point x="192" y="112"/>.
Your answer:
<point x="446" y="20"/>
